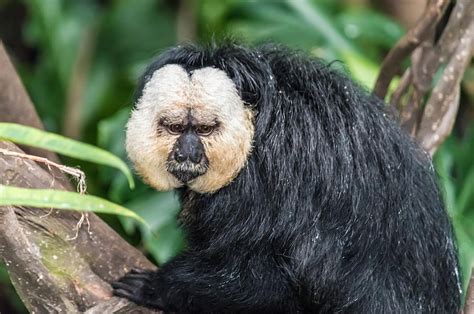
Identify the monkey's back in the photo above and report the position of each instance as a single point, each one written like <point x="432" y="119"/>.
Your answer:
<point x="371" y="223"/>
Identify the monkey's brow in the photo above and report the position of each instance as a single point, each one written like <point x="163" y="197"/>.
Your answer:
<point x="196" y="117"/>
<point x="204" y="118"/>
<point x="170" y="120"/>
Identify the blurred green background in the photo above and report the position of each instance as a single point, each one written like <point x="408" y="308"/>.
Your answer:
<point x="80" y="61"/>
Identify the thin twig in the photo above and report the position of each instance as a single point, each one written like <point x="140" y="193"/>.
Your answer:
<point x="423" y="29"/>
<point x="403" y="85"/>
<point x="74" y="172"/>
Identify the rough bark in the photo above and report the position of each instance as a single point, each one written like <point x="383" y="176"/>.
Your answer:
<point x="405" y="46"/>
<point x="432" y="48"/>
<point x="51" y="273"/>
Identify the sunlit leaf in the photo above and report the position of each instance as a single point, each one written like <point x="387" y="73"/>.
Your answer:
<point x="47" y="198"/>
<point x="373" y="27"/>
<point x="37" y="138"/>
<point x="362" y="69"/>
<point x="323" y="24"/>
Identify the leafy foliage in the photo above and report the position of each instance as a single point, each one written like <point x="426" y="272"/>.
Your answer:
<point x="49" y="198"/>
<point x="37" y="138"/>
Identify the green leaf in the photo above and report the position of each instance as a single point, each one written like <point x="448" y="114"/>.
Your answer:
<point x="465" y="245"/>
<point x="323" y="24"/>
<point x="157" y="208"/>
<point x="373" y="27"/>
<point x="46" y="198"/>
<point x="361" y="68"/>
<point x="466" y="194"/>
<point x="37" y="138"/>
<point x="443" y="161"/>
<point x="169" y="243"/>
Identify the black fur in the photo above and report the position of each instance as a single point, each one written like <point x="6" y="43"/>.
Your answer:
<point x="337" y="210"/>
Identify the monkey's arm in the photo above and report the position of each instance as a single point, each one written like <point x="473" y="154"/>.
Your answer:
<point x="195" y="284"/>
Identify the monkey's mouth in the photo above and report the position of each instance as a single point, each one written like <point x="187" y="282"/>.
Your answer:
<point x="186" y="171"/>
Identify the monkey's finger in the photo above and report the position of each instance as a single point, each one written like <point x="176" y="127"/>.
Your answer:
<point x="132" y="283"/>
<point x="120" y="286"/>
<point x="141" y="276"/>
<point x="121" y="293"/>
<point x="136" y="270"/>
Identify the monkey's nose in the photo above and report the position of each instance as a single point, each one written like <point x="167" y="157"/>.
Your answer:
<point x="195" y="156"/>
<point x="179" y="156"/>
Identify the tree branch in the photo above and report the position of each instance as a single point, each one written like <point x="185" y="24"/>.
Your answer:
<point x="50" y="273"/>
<point x="423" y="29"/>
<point x="432" y="122"/>
<point x="440" y="110"/>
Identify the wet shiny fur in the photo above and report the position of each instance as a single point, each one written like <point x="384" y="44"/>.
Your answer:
<point x="333" y="210"/>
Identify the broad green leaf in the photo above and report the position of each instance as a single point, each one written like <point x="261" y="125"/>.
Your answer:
<point x="157" y="208"/>
<point x="323" y="24"/>
<point x="374" y="28"/>
<point x="110" y="132"/>
<point x="362" y="69"/>
<point x="167" y="244"/>
<point x="266" y="13"/>
<point x="443" y="162"/>
<point x="466" y="194"/>
<point x="165" y="238"/>
<point x="37" y="138"/>
<point x="47" y="198"/>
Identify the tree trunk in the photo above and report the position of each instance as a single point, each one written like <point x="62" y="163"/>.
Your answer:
<point x="50" y="272"/>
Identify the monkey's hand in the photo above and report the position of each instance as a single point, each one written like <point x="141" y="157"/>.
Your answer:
<point x="137" y="286"/>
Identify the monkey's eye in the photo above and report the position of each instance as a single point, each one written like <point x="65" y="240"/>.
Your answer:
<point x="204" y="130"/>
<point x="175" y="128"/>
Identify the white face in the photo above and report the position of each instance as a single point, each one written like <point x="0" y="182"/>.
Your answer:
<point x="172" y="99"/>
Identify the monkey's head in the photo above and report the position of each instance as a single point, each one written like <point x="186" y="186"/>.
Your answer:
<point x="189" y="128"/>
